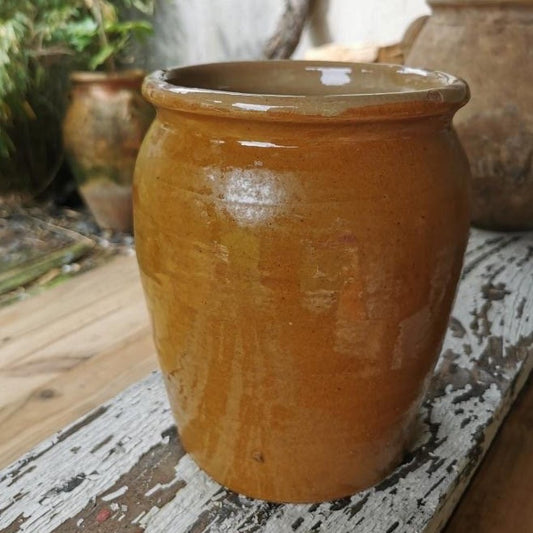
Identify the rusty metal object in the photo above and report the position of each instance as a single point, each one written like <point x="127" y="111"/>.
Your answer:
<point x="103" y="130"/>
<point x="490" y="44"/>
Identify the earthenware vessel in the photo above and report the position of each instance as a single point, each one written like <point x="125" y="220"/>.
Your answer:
<point x="102" y="131"/>
<point x="490" y="44"/>
<point x="300" y="228"/>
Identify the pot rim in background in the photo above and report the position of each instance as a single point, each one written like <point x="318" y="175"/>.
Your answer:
<point x="121" y="77"/>
<point x="228" y="89"/>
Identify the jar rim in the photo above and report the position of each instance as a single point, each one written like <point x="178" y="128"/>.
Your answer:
<point x="319" y="89"/>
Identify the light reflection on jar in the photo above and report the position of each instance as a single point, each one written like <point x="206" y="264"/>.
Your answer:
<point x="252" y="195"/>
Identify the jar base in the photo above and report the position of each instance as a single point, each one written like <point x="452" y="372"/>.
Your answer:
<point x="317" y="495"/>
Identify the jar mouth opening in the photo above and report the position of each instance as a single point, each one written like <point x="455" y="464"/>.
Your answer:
<point x="310" y="88"/>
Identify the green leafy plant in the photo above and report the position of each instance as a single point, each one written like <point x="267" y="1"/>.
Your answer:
<point x="98" y="36"/>
<point x="40" y="40"/>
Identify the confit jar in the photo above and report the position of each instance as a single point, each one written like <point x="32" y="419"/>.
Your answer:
<point x="300" y="229"/>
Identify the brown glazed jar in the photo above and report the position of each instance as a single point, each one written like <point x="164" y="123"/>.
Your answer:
<point x="300" y="229"/>
<point x="103" y="129"/>
<point x="490" y="44"/>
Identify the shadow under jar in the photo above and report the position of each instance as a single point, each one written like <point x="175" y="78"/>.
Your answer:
<point x="300" y="230"/>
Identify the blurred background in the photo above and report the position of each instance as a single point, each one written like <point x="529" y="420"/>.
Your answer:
<point x="220" y="30"/>
<point x="41" y="41"/>
<point x="72" y="118"/>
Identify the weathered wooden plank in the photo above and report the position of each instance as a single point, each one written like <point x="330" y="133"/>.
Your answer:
<point x="42" y="411"/>
<point x="25" y="240"/>
<point x="34" y="253"/>
<point x="499" y="497"/>
<point x="31" y="270"/>
<point x="46" y="313"/>
<point x="72" y="349"/>
<point x="58" y="351"/>
<point x="117" y="468"/>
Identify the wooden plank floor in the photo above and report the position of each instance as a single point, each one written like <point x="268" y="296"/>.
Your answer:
<point x="66" y="351"/>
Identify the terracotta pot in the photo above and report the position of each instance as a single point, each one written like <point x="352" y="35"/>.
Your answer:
<point x="300" y="228"/>
<point x="102" y="131"/>
<point x="490" y="44"/>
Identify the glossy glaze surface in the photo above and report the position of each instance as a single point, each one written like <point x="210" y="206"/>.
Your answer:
<point x="299" y="269"/>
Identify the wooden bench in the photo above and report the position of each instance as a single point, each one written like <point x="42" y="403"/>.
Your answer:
<point x="121" y="467"/>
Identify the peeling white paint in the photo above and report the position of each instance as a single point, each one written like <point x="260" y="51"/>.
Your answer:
<point x="115" y="494"/>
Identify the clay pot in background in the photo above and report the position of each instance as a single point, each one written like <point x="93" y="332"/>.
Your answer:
<point x="490" y="44"/>
<point x="300" y="228"/>
<point x="105" y="123"/>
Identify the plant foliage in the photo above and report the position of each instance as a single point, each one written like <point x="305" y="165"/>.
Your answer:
<point x="85" y="34"/>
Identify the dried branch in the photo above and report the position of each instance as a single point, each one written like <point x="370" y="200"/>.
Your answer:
<point x="289" y="30"/>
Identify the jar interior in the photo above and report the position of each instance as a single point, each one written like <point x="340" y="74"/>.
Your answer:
<point x="306" y="78"/>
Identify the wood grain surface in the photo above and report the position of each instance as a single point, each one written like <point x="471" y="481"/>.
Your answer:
<point x="121" y="468"/>
<point x="499" y="498"/>
<point x="64" y="352"/>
